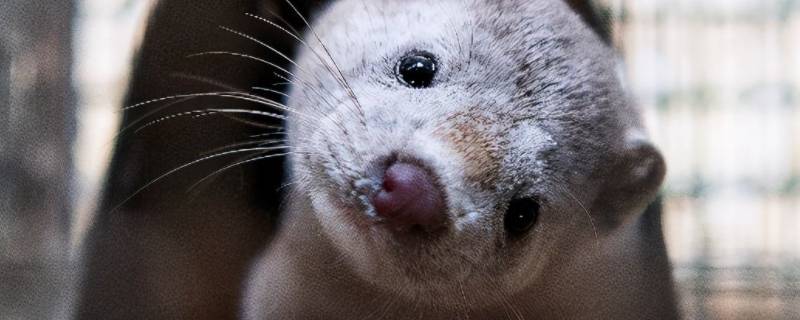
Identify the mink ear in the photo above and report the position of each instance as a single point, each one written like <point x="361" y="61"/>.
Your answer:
<point x="600" y="24"/>
<point x="631" y="183"/>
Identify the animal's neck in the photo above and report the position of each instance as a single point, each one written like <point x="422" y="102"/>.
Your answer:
<point x="305" y="275"/>
<point x="624" y="275"/>
<point x="616" y="277"/>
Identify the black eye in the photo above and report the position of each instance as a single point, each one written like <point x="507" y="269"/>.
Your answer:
<point x="417" y="70"/>
<point x="521" y="216"/>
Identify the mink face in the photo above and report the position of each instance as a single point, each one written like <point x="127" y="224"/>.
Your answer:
<point x="462" y="145"/>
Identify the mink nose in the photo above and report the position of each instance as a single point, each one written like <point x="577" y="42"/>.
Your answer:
<point x="410" y="198"/>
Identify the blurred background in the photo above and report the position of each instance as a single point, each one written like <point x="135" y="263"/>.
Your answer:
<point x="719" y="81"/>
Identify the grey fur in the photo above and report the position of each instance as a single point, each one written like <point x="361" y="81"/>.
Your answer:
<point x="526" y="104"/>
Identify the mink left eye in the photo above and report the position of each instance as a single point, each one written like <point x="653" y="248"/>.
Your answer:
<point x="520" y="216"/>
<point x="417" y="70"/>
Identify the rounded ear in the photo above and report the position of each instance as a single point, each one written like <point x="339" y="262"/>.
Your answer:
<point x="630" y="183"/>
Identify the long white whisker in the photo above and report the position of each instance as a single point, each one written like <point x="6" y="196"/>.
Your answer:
<point x="262" y="135"/>
<point x="133" y="123"/>
<point x="184" y="166"/>
<point x="242" y="96"/>
<point x="259" y="143"/>
<point x="265" y="45"/>
<point x="193" y="113"/>
<point x="241" y="55"/>
<point x="281" y="19"/>
<point x="276" y="51"/>
<point x="205" y="80"/>
<point x="271" y="91"/>
<point x="251" y="112"/>
<point x="210" y="112"/>
<point x="585" y="210"/>
<point x="346" y="85"/>
<point x="313" y="90"/>
<point x="303" y="82"/>
<point x="304" y="43"/>
<point x="240" y="163"/>
<point x="224" y="94"/>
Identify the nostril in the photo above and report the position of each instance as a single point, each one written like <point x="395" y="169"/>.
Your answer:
<point x="410" y="197"/>
<point x="390" y="183"/>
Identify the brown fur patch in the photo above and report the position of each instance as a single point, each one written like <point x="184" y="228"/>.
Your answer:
<point x="480" y="150"/>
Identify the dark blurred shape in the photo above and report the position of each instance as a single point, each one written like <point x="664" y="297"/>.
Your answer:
<point x="37" y="124"/>
<point x="593" y="16"/>
<point x="166" y="254"/>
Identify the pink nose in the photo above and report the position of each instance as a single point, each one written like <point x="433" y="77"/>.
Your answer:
<point x="410" y="198"/>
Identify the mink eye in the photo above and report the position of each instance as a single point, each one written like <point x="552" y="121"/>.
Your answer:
<point x="521" y="216"/>
<point x="417" y="70"/>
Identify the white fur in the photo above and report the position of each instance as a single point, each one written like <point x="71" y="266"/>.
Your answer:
<point x="496" y="59"/>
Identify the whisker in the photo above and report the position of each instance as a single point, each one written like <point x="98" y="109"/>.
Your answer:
<point x="465" y="307"/>
<point x="251" y="112"/>
<point x="227" y="94"/>
<point x="303" y="82"/>
<point x="560" y="184"/>
<point x="224" y="86"/>
<point x="346" y="85"/>
<point x="265" y="45"/>
<point x="194" y="113"/>
<point x="281" y="19"/>
<point x="304" y="43"/>
<point x="375" y="311"/>
<point x="276" y="51"/>
<point x="211" y="112"/>
<point x="585" y="210"/>
<point x="242" y="120"/>
<point x="274" y="104"/>
<point x="286" y="185"/>
<point x="358" y="112"/>
<point x="205" y="80"/>
<point x="262" y="135"/>
<point x="242" y="96"/>
<point x="296" y="36"/>
<point x="313" y="90"/>
<point x="240" y="55"/>
<point x="181" y="167"/>
<point x="259" y="143"/>
<point x="133" y="123"/>
<point x="240" y="163"/>
<point x="271" y="91"/>
<point x="506" y="303"/>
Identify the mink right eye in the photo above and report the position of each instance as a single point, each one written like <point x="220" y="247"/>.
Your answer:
<point x="417" y="70"/>
<point x="520" y="216"/>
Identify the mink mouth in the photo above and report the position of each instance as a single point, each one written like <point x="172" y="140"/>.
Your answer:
<point x="363" y="217"/>
<point x="411" y="240"/>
